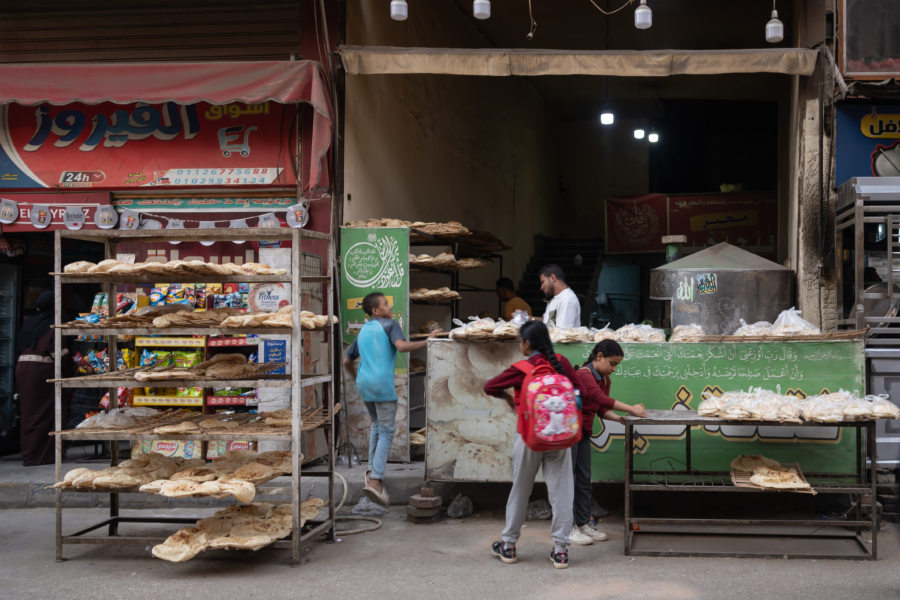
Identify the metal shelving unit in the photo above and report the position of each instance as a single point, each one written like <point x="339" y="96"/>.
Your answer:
<point x="752" y="536"/>
<point x="296" y="381"/>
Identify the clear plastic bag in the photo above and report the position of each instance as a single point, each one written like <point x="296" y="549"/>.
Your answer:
<point x="789" y="322"/>
<point x="759" y="328"/>
<point x="688" y="333"/>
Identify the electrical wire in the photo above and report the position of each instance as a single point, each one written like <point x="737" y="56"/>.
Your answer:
<point x="615" y="10"/>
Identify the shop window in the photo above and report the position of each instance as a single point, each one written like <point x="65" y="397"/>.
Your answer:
<point x="870" y="34"/>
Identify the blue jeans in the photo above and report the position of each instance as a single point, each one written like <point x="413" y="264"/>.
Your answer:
<point x="384" y="424"/>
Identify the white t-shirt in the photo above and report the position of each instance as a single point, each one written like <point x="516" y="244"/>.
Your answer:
<point x="564" y="310"/>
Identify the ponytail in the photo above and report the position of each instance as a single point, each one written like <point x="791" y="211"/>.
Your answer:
<point x="606" y="348"/>
<point x="537" y="336"/>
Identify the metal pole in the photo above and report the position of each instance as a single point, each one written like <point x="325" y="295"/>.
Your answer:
<point x="57" y="386"/>
<point x="629" y="478"/>
<point x="295" y="399"/>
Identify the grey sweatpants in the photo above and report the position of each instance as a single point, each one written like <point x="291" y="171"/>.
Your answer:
<point x="557" y="465"/>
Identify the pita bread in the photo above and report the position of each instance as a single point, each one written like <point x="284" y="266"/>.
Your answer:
<point x="183" y="545"/>
<point x="81" y="266"/>
<point x="257" y="509"/>
<point x="243" y="491"/>
<point x="86" y="479"/>
<point x="183" y="427"/>
<point x="72" y="476"/>
<point x="778" y="478"/>
<point x="750" y="462"/>
<point x="254" y="472"/>
<point x="116" y="481"/>
<point x="198" y="475"/>
<point x="310" y="509"/>
<point x="103" y="266"/>
<point x="274" y="457"/>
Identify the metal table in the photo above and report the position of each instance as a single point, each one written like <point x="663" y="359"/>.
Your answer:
<point x="749" y="537"/>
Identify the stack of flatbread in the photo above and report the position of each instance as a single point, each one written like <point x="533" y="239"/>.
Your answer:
<point x="128" y="474"/>
<point x="173" y="267"/>
<point x="190" y="318"/>
<point x="571" y="335"/>
<point x="469" y="263"/>
<point x="450" y="228"/>
<point x="767" y="473"/>
<point x="640" y="333"/>
<point x="283" y="317"/>
<point x="756" y="404"/>
<point x="379" y="223"/>
<point x="248" y="527"/>
<point x="688" y="333"/>
<point x="237" y="473"/>
<point x="443" y="293"/>
<point x="220" y="366"/>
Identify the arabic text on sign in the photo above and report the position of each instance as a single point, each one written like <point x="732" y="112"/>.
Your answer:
<point x="880" y="126"/>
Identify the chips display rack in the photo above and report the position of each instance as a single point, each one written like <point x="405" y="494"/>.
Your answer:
<point x="753" y="536"/>
<point x="296" y="381"/>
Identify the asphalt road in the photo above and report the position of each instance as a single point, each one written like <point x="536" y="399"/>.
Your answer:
<point x="449" y="559"/>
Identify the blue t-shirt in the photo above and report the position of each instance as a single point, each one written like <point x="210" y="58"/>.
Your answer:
<point x="376" y="351"/>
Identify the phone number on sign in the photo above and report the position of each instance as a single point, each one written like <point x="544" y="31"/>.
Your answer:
<point x="219" y="176"/>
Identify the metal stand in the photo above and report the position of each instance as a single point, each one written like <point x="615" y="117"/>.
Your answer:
<point x="748" y="537"/>
<point x="297" y="381"/>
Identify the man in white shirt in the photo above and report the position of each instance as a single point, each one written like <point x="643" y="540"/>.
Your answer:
<point x="564" y="309"/>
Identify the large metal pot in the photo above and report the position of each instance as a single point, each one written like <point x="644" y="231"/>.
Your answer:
<point x="720" y="285"/>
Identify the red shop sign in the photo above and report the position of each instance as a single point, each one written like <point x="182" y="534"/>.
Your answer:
<point x="56" y="207"/>
<point x="111" y="146"/>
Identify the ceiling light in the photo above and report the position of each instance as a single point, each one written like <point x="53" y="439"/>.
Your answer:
<point x="399" y="10"/>
<point x="653" y="137"/>
<point x="607" y="117"/>
<point x="643" y="16"/>
<point x="774" y="28"/>
<point x="481" y="9"/>
<point x="639" y="133"/>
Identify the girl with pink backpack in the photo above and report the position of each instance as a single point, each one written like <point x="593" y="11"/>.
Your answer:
<point x="548" y="425"/>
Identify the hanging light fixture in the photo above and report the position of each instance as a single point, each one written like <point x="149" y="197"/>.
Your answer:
<point x="639" y="133"/>
<point x="399" y="10"/>
<point x="774" y="28"/>
<point x="481" y="9"/>
<point x="643" y="16"/>
<point x="607" y="117"/>
<point x="653" y="137"/>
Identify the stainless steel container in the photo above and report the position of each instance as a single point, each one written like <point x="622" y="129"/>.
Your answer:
<point x="720" y="285"/>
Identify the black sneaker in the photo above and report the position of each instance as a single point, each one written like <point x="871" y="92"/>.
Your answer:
<point x="560" y="560"/>
<point x="505" y="552"/>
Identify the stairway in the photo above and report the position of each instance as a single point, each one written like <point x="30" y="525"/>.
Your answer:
<point x="562" y="251"/>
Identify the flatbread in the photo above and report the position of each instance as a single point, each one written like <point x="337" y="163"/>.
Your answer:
<point x="183" y="545"/>
<point x="778" y="478"/>
<point x="80" y="266"/>
<point x="183" y="427"/>
<point x="254" y="472"/>
<point x="750" y="462"/>
<point x="243" y="491"/>
<point x="197" y="475"/>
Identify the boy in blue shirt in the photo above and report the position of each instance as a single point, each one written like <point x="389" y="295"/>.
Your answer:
<point x="376" y="346"/>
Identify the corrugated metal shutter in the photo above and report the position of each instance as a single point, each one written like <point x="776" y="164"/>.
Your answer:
<point x="198" y="30"/>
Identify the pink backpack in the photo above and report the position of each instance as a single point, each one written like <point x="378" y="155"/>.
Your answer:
<point x="548" y="413"/>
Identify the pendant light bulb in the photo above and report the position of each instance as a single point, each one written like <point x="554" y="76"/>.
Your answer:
<point x="643" y="16"/>
<point x="639" y="133"/>
<point x="774" y="28"/>
<point x="399" y="10"/>
<point x="607" y="117"/>
<point x="653" y="137"/>
<point x="481" y="9"/>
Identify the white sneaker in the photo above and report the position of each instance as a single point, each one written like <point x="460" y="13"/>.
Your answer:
<point x="578" y="538"/>
<point x="593" y="533"/>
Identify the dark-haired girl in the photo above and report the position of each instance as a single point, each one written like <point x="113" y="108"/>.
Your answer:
<point x="557" y="464"/>
<point x="594" y="382"/>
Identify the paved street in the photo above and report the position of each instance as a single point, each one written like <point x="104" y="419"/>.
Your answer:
<point x="449" y="559"/>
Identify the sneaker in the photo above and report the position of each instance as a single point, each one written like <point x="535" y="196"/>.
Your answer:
<point x="560" y="560"/>
<point x="505" y="552"/>
<point x="578" y="538"/>
<point x="593" y="533"/>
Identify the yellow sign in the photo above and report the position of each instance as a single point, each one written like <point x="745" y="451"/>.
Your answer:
<point x="356" y="303"/>
<point x="720" y="220"/>
<point x="880" y="126"/>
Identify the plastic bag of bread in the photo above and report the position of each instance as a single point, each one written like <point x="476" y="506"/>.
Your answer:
<point x="790" y="323"/>
<point x="710" y="406"/>
<point x="882" y="408"/>
<point x="760" y="328"/>
<point x="688" y="333"/>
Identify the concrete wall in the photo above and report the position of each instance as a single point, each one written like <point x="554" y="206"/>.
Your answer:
<point x="479" y="150"/>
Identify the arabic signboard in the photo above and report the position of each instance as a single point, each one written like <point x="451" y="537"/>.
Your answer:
<point x="110" y="146"/>
<point x="470" y="434"/>
<point x="748" y="220"/>
<point x="867" y="141"/>
<point x="49" y="210"/>
<point x="375" y="260"/>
